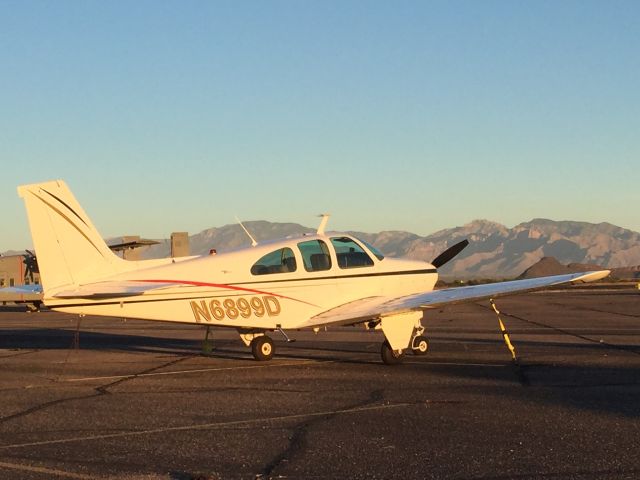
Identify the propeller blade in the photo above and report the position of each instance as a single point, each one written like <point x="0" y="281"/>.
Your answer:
<point x="449" y="253"/>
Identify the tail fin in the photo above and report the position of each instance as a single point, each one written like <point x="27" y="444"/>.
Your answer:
<point x="69" y="248"/>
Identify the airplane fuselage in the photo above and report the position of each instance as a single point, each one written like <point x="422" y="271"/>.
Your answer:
<point x="279" y="284"/>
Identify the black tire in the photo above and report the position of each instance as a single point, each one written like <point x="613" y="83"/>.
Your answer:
<point x="262" y="348"/>
<point x="390" y="356"/>
<point x="420" y="345"/>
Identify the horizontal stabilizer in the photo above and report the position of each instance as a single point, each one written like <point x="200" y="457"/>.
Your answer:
<point x="112" y="289"/>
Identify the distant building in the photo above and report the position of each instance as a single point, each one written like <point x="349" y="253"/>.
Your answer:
<point x="179" y="244"/>
<point x="16" y="270"/>
<point x="128" y="247"/>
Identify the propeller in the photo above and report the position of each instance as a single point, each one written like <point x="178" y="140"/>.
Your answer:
<point x="449" y="253"/>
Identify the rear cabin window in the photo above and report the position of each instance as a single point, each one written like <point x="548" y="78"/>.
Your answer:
<point x="350" y="254"/>
<point x="280" y="261"/>
<point x="315" y="255"/>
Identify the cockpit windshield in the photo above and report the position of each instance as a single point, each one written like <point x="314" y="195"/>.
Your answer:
<point x="372" y="249"/>
<point x="350" y="254"/>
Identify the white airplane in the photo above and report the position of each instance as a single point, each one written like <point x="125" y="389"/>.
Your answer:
<point x="311" y="281"/>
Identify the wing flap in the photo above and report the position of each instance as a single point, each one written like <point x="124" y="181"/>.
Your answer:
<point x="374" y="307"/>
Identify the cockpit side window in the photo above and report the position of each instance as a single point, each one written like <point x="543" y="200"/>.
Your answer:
<point x="350" y="254"/>
<point x="315" y="255"/>
<point x="279" y="261"/>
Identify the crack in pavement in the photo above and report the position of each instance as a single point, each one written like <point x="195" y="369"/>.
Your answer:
<point x="600" y="342"/>
<point x="591" y="309"/>
<point x="297" y="439"/>
<point x="18" y="354"/>
<point x="520" y="368"/>
<point x="99" y="391"/>
<point x="103" y="388"/>
<point x="584" y="474"/>
<point x="43" y="470"/>
<point x="225" y="424"/>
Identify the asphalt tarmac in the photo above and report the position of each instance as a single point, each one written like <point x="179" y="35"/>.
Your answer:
<point x="139" y="399"/>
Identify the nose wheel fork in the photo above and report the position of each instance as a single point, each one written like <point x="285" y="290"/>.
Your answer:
<point x="420" y="345"/>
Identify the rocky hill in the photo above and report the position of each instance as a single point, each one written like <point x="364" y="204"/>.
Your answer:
<point x="499" y="252"/>
<point x="495" y="251"/>
<point x="551" y="266"/>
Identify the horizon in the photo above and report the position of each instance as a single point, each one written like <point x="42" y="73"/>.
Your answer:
<point x="167" y="236"/>
<point x="412" y="117"/>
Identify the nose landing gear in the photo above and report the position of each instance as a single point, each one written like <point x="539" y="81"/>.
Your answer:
<point x="404" y="332"/>
<point x="420" y="345"/>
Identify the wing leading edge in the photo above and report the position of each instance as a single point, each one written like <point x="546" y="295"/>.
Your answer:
<point x="374" y="307"/>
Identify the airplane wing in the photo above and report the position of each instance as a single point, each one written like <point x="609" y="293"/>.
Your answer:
<point x="22" y="293"/>
<point x="22" y="289"/>
<point x="375" y="307"/>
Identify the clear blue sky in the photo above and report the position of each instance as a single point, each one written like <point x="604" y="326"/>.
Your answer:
<point x="167" y="116"/>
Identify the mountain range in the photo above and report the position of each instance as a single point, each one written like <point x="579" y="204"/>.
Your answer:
<point x="495" y="251"/>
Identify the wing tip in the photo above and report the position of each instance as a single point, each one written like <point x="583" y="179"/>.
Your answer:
<point x="591" y="276"/>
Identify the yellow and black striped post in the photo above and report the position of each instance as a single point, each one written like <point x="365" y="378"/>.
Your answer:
<point x="505" y="335"/>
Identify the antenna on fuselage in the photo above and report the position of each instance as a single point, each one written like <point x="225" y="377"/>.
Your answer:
<point x="323" y="223"/>
<point x="253" y="240"/>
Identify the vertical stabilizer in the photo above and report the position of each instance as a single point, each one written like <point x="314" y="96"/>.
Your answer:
<point x="70" y="250"/>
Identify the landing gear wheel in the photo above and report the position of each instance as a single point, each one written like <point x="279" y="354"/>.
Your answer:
<point x="420" y="345"/>
<point x="390" y="356"/>
<point x="262" y="348"/>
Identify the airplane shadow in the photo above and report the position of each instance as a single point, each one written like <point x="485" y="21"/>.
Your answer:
<point x="63" y="339"/>
<point x="590" y="344"/>
<point x="610" y="389"/>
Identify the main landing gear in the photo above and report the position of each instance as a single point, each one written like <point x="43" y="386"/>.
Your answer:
<point x="419" y="346"/>
<point x="389" y="355"/>
<point x="402" y="332"/>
